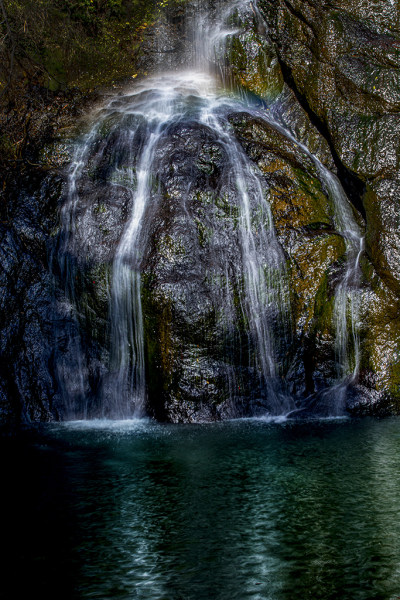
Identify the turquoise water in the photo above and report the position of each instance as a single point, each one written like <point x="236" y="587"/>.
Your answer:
<point x="245" y="509"/>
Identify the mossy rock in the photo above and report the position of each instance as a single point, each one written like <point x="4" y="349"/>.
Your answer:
<point x="310" y="261"/>
<point x="254" y="65"/>
<point x="55" y="155"/>
<point x="382" y="237"/>
<point x="381" y="341"/>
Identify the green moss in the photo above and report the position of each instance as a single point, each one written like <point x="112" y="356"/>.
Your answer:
<point x="324" y="307"/>
<point x="318" y="226"/>
<point x="310" y="185"/>
<point x="254" y="66"/>
<point x="100" y="209"/>
<point x="170" y="248"/>
<point x="204" y="233"/>
<point x="309" y="276"/>
<point x="295" y="201"/>
<point x="225" y="206"/>
<point x="79" y="43"/>
<point x="394" y="378"/>
<point x="381" y="336"/>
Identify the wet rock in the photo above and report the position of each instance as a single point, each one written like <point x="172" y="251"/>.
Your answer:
<point x="342" y="63"/>
<point x="380" y="339"/>
<point x="253" y="68"/>
<point x="192" y="272"/>
<point x="382" y="236"/>
<point x="29" y="390"/>
<point x="331" y="78"/>
<point x="199" y="355"/>
<point x="303" y="216"/>
<point x="253" y="64"/>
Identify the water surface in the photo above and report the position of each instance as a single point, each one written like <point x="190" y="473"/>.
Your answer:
<point x="244" y="509"/>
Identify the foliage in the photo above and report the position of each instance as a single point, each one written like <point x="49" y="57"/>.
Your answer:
<point x="54" y="54"/>
<point x="66" y="43"/>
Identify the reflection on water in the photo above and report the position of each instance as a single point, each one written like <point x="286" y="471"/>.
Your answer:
<point x="245" y="509"/>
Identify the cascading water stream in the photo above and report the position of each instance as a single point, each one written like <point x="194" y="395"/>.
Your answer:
<point x="211" y="33"/>
<point x="266" y="284"/>
<point x="127" y="348"/>
<point x="346" y="309"/>
<point x="157" y="103"/>
<point x="347" y="297"/>
<point x="346" y="304"/>
<point x="71" y="373"/>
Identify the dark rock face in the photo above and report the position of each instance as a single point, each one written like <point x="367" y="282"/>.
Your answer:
<point x="342" y="64"/>
<point x="329" y="75"/>
<point x="193" y="253"/>
<point x="303" y="215"/>
<point x="27" y="383"/>
<point x="197" y="336"/>
<point x="198" y="347"/>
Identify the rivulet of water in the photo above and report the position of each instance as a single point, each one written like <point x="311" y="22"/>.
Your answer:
<point x="70" y="365"/>
<point x="346" y="311"/>
<point x="347" y="297"/>
<point x="266" y="297"/>
<point x="346" y="314"/>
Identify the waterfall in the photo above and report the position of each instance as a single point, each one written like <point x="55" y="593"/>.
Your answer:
<point x="347" y="300"/>
<point x="266" y="285"/>
<point x="71" y="368"/>
<point x="211" y="32"/>
<point x="127" y="349"/>
<point x="137" y="122"/>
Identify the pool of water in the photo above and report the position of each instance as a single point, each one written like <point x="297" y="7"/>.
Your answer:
<point x="244" y="509"/>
